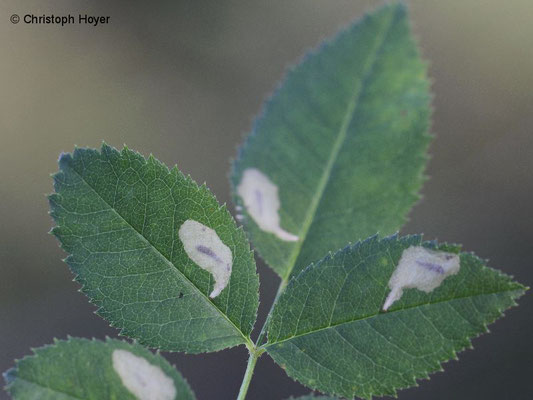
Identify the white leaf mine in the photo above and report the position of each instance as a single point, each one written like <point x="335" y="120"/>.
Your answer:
<point x="260" y="197"/>
<point x="420" y="268"/>
<point x="205" y="248"/>
<point x="144" y="380"/>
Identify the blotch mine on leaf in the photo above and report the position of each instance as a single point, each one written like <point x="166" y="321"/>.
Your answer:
<point x="144" y="380"/>
<point x="205" y="248"/>
<point x="420" y="268"/>
<point x="260" y="197"/>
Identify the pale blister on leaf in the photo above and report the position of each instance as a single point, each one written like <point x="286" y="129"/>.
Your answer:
<point x="261" y="201"/>
<point x="143" y="379"/>
<point x="93" y="370"/>
<point x="329" y="331"/>
<point x="205" y="248"/>
<point x="420" y="268"/>
<point x="119" y="216"/>
<point x="343" y="140"/>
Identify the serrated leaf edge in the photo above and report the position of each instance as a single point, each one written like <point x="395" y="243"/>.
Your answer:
<point x="515" y="294"/>
<point x="55" y="341"/>
<point x="188" y="178"/>
<point x="234" y="162"/>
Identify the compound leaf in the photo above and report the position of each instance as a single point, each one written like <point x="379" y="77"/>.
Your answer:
<point x="95" y="370"/>
<point x="119" y="216"/>
<point x="339" y="149"/>
<point x="329" y="331"/>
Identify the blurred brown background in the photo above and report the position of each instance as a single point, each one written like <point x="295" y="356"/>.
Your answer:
<point x="183" y="80"/>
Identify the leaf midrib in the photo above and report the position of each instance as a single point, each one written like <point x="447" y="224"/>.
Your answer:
<point x="164" y="258"/>
<point x="339" y="141"/>
<point x="517" y="289"/>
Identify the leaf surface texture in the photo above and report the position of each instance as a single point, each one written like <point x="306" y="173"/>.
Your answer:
<point x="81" y="369"/>
<point x="118" y="215"/>
<point x="329" y="331"/>
<point x="344" y="140"/>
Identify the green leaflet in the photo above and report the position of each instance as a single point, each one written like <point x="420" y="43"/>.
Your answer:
<point x="118" y="215"/>
<point x="329" y="332"/>
<point x="84" y="369"/>
<point x="312" y="397"/>
<point x="344" y="141"/>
